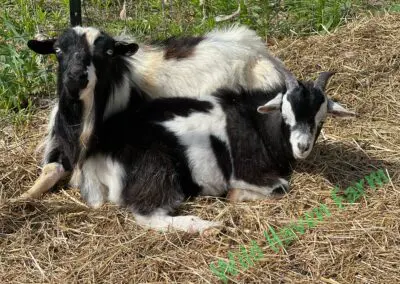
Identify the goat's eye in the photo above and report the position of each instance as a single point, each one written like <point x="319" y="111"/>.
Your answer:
<point x="110" y="51"/>
<point x="58" y="51"/>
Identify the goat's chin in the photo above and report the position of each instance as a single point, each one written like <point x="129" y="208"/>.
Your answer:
<point x="300" y="155"/>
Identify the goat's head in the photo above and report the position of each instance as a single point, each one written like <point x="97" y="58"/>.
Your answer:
<point x="80" y="52"/>
<point x="304" y="108"/>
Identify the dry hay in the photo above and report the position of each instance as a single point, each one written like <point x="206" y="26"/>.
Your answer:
<point x="58" y="239"/>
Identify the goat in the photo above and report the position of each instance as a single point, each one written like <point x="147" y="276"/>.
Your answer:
<point x="151" y="158"/>
<point x="93" y="64"/>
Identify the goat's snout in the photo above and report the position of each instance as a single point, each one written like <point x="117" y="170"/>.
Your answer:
<point x="76" y="79"/>
<point x="303" y="146"/>
<point x="83" y="79"/>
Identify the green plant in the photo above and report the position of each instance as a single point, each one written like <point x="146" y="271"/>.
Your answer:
<point x="24" y="75"/>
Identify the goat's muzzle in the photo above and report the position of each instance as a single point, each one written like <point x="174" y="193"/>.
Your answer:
<point x="76" y="80"/>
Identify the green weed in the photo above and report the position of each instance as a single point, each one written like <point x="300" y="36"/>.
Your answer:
<point x="24" y="75"/>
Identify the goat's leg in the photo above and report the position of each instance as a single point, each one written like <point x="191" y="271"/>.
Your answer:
<point x="93" y="191"/>
<point x="243" y="191"/>
<point x="160" y="220"/>
<point x="51" y="174"/>
<point x="239" y="195"/>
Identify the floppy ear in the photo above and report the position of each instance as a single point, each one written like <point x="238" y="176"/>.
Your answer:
<point x="273" y="104"/>
<point x="336" y="109"/>
<point x="125" y="49"/>
<point x="42" y="46"/>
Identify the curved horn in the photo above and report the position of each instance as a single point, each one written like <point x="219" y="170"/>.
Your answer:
<point x="290" y="79"/>
<point x="323" y="79"/>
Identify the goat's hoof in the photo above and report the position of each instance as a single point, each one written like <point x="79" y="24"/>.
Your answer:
<point x="211" y="232"/>
<point x="233" y="195"/>
<point x="52" y="168"/>
<point x="198" y="225"/>
<point x="280" y="189"/>
<point x="94" y="204"/>
<point x="240" y="195"/>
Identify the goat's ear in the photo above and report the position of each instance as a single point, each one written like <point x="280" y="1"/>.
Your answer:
<point x="273" y="104"/>
<point x="336" y="109"/>
<point x="125" y="49"/>
<point x="42" y="46"/>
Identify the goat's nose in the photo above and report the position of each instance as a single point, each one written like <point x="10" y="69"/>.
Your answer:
<point x="83" y="75"/>
<point x="303" y="146"/>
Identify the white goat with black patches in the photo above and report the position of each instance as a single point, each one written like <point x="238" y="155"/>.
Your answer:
<point x="193" y="66"/>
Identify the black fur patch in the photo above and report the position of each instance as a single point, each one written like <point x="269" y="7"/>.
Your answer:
<point x="306" y="102"/>
<point x="221" y="152"/>
<point x="178" y="48"/>
<point x="259" y="142"/>
<point x="65" y="133"/>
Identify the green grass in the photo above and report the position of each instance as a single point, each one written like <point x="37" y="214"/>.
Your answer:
<point x="26" y="77"/>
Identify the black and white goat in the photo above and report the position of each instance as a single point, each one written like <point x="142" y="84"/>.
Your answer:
<point x="150" y="155"/>
<point x="95" y="68"/>
<point x="153" y="157"/>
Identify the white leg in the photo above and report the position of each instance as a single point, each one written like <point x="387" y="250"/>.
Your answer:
<point x="111" y="175"/>
<point x="159" y="220"/>
<point x="50" y="175"/>
<point x="92" y="190"/>
<point x="75" y="179"/>
<point x="240" y="195"/>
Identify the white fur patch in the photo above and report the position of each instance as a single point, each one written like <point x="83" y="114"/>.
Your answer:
<point x="118" y="99"/>
<point x="111" y="173"/>
<point x="301" y="137"/>
<point x="322" y="112"/>
<point x="92" y="190"/>
<point x="87" y="97"/>
<point x="194" y="133"/>
<point x="91" y="35"/>
<point x="48" y="142"/>
<point x="102" y="175"/>
<point x="159" y="220"/>
<point x="287" y="112"/>
<point x="225" y="58"/>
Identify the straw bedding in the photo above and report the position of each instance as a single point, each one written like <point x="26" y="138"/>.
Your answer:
<point x="58" y="239"/>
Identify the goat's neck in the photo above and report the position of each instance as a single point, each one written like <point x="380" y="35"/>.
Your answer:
<point x="275" y="136"/>
<point x="69" y="110"/>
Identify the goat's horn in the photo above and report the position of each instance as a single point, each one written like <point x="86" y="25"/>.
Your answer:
<point x="323" y="79"/>
<point x="290" y="79"/>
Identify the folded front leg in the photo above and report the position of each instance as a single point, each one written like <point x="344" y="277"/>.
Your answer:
<point x="160" y="220"/>
<point x="243" y="191"/>
<point x="51" y="174"/>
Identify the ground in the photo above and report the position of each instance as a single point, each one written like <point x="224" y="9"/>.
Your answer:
<point x="58" y="239"/>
